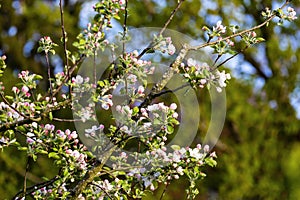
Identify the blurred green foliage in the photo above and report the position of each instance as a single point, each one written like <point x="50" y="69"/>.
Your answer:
<point x="259" y="149"/>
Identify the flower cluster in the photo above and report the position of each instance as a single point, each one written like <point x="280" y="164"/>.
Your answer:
<point x="46" y="45"/>
<point x="91" y="133"/>
<point x="69" y="154"/>
<point x="93" y="38"/>
<point x="113" y="6"/>
<point x="151" y="125"/>
<point x="200" y="74"/>
<point x="50" y="193"/>
<point x="29" y="80"/>
<point x="150" y="169"/>
<point x="251" y="38"/>
<point x="68" y="140"/>
<point x="6" y="141"/>
<point x="216" y="31"/>
<point x="219" y="28"/>
<point x="132" y="80"/>
<point x="162" y="166"/>
<point x="81" y="86"/>
<point x="164" y="45"/>
<point x="291" y="15"/>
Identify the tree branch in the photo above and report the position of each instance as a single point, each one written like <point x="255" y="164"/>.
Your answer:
<point x="49" y="76"/>
<point x="90" y="175"/>
<point x="64" y="40"/>
<point x="150" y="46"/>
<point x="64" y="36"/>
<point x="36" y="187"/>
<point x="171" y="17"/>
<point x="241" y="33"/>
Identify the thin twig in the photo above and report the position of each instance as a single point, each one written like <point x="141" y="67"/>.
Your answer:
<point x="11" y="125"/>
<point x="66" y="120"/>
<point x="125" y="26"/>
<point x="49" y="76"/>
<point x="65" y="80"/>
<point x="219" y="56"/>
<point x="8" y="103"/>
<point x="239" y="33"/>
<point x="64" y="40"/>
<point x="165" y="190"/>
<point x="169" y="91"/>
<point x="225" y="61"/>
<point x="171" y="17"/>
<point x="123" y="43"/>
<point x="36" y="187"/>
<point x="101" y="188"/>
<point x="94" y="69"/>
<point x="150" y="46"/>
<point x="64" y="36"/>
<point x="25" y="176"/>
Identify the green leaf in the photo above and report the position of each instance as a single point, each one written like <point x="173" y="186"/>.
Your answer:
<point x="135" y="111"/>
<point x="260" y="39"/>
<point x="54" y="155"/>
<point x="22" y="148"/>
<point x="89" y="154"/>
<point x="38" y="77"/>
<point x="151" y="50"/>
<point x="40" y="49"/>
<point x="66" y="172"/>
<point x="9" y="97"/>
<point x="175" y="147"/>
<point x="117" y="17"/>
<point x="34" y="157"/>
<point x="205" y="28"/>
<point x="230" y="51"/>
<point x="208" y="86"/>
<point x="173" y="121"/>
<point x="21" y="129"/>
<point x="50" y="116"/>
<point x="52" y="51"/>
<point x="211" y="162"/>
<point x="170" y="129"/>
<point x="41" y="151"/>
<point x="101" y="83"/>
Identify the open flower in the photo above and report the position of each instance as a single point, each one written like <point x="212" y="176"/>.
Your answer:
<point x="195" y="153"/>
<point x="291" y="13"/>
<point x="219" y="27"/>
<point x="77" y="80"/>
<point x="222" y="77"/>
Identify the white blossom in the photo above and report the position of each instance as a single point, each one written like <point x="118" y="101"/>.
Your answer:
<point x="195" y="153"/>
<point x="77" y="80"/>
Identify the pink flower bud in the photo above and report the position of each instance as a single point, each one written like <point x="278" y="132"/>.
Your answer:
<point x="68" y="151"/>
<point x="141" y="90"/>
<point x="173" y="106"/>
<point x="175" y="115"/>
<point x="25" y="89"/>
<point x="15" y="90"/>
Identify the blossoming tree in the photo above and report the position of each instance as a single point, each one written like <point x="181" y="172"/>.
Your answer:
<point x="93" y="159"/>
